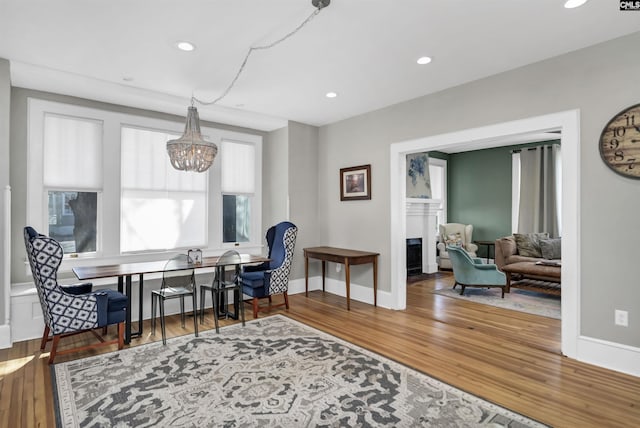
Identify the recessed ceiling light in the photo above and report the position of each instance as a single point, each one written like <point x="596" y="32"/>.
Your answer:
<point x="424" y="60"/>
<point x="570" y="4"/>
<point x="185" y="46"/>
<point x="331" y="95"/>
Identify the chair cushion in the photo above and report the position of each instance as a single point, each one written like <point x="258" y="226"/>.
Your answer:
<point x="253" y="279"/>
<point x="253" y="284"/>
<point x="116" y="306"/>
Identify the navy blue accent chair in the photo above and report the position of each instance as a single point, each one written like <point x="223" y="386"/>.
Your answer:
<point x="269" y="278"/>
<point x="69" y="309"/>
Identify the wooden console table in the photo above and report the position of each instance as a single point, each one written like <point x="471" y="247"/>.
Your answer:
<point x="345" y="257"/>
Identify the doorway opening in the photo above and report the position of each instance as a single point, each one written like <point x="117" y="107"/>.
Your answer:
<point x="567" y="123"/>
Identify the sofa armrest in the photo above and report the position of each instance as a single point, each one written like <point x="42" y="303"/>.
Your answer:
<point x="504" y="248"/>
<point x="471" y="247"/>
<point x="477" y="260"/>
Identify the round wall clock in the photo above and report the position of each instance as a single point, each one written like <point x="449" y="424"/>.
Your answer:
<point x="620" y="142"/>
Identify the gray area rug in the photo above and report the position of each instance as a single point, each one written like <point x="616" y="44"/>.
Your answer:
<point x="545" y="305"/>
<point x="275" y="372"/>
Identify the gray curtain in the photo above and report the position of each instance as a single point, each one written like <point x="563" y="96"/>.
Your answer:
<point x="540" y="176"/>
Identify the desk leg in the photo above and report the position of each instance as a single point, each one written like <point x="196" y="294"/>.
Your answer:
<point x="127" y="327"/>
<point x="120" y="284"/>
<point x="140" y="299"/>
<point x="306" y="276"/>
<point x="347" y="281"/>
<point x="324" y="268"/>
<point x="375" y="281"/>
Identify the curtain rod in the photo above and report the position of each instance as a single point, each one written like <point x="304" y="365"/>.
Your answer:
<point x="548" y="146"/>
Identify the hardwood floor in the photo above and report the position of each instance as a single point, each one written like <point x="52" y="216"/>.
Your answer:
<point x="510" y="358"/>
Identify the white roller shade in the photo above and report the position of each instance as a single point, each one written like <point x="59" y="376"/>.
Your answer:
<point x="161" y="208"/>
<point x="238" y="167"/>
<point x="72" y="152"/>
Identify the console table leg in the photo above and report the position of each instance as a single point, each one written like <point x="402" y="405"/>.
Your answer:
<point x="347" y="280"/>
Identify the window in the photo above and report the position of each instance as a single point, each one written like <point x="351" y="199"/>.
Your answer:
<point x="107" y="174"/>
<point x="72" y="147"/>
<point x="238" y="188"/>
<point x="73" y="220"/>
<point x="157" y="197"/>
<point x="438" y="177"/>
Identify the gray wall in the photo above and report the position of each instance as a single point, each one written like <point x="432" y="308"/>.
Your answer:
<point x="5" y="107"/>
<point x="275" y="187"/>
<point x="600" y="81"/>
<point x="303" y="185"/>
<point x="19" y="159"/>
<point x="291" y="183"/>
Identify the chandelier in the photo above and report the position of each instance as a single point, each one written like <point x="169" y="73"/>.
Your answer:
<point x="191" y="152"/>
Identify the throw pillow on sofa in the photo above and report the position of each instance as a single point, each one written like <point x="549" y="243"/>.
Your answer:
<point x="453" y="239"/>
<point x="528" y="244"/>
<point x="551" y="248"/>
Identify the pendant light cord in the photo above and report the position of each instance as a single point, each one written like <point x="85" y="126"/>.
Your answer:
<point x="253" y="49"/>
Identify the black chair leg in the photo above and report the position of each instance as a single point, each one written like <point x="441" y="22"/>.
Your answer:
<point x="195" y="313"/>
<point x="241" y="304"/>
<point x="216" y="306"/>
<point x="162" y="324"/>
<point x="203" y="295"/>
<point x="462" y="291"/>
<point x="153" y="313"/>
<point x="182" y="317"/>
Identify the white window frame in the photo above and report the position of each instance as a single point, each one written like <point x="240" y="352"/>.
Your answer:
<point x="443" y="164"/>
<point x="108" y="234"/>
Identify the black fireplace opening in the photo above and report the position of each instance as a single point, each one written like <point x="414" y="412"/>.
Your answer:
<point x="414" y="256"/>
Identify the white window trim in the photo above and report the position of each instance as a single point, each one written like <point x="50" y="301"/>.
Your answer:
<point x="109" y="230"/>
<point x="442" y="163"/>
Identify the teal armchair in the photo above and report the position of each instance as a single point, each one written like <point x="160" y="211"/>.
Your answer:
<point x="473" y="272"/>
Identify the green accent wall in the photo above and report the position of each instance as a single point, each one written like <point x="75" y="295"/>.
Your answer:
<point x="479" y="191"/>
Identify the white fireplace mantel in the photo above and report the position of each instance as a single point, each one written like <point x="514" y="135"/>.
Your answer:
<point x="421" y="222"/>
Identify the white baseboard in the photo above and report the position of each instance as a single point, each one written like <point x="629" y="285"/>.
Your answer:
<point x="358" y="292"/>
<point x="610" y="355"/>
<point x="5" y="336"/>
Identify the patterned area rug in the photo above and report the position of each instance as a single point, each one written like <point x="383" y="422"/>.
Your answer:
<point x="275" y="372"/>
<point x="545" y="305"/>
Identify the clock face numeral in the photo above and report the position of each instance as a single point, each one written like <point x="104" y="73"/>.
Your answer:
<point x="631" y="163"/>
<point x="619" y="131"/>
<point x="620" y="143"/>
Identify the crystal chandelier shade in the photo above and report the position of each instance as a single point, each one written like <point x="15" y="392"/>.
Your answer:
<point x="191" y="152"/>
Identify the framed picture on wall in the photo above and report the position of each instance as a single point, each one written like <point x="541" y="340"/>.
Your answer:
<point x="355" y="183"/>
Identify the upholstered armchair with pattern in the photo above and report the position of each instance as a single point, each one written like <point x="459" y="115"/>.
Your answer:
<point x="71" y="309"/>
<point x="272" y="277"/>
<point x="455" y="234"/>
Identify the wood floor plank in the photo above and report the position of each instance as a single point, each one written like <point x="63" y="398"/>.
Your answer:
<point x="510" y="358"/>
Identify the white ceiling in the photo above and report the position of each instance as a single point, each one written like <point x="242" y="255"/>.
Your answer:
<point x="365" y="50"/>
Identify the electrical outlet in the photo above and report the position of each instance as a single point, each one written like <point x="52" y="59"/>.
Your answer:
<point x="622" y="318"/>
